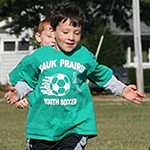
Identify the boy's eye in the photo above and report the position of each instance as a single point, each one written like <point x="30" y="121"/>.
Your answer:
<point x="65" y="32"/>
<point x="77" y="33"/>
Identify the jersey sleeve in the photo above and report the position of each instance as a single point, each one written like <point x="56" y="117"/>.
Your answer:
<point x="14" y="75"/>
<point x="97" y="73"/>
<point x="26" y="71"/>
<point x="101" y="75"/>
<point x="22" y="89"/>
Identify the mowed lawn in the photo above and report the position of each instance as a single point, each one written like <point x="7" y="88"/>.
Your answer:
<point x="121" y="126"/>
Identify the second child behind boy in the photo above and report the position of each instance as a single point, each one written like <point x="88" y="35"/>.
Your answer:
<point x="44" y="36"/>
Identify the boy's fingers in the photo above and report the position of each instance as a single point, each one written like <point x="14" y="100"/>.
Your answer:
<point x="18" y="105"/>
<point x="26" y="103"/>
<point x="140" y="94"/>
<point x="22" y="104"/>
<point x="11" y="100"/>
<point x="7" y="95"/>
<point x="10" y="96"/>
<point x="132" y="86"/>
<point x="11" y="88"/>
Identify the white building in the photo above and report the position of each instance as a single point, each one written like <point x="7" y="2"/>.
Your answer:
<point x="12" y="49"/>
<point x="127" y="39"/>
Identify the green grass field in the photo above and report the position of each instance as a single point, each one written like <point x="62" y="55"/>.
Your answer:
<point x="121" y="126"/>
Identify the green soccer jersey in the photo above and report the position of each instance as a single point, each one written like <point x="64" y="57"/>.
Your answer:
<point x="60" y="103"/>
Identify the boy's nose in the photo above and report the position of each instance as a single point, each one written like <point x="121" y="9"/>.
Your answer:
<point x="71" y="36"/>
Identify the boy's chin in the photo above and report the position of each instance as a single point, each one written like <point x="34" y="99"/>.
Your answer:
<point x="68" y="49"/>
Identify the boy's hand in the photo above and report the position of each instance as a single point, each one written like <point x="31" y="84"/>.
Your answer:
<point x="11" y="95"/>
<point x="22" y="103"/>
<point x="132" y="94"/>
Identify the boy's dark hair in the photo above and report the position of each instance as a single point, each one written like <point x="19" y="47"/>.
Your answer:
<point x="67" y="10"/>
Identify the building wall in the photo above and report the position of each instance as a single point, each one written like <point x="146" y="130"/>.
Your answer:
<point x="9" y="58"/>
<point x="7" y="62"/>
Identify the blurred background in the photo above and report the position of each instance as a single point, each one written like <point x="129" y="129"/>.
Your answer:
<point x="109" y="30"/>
<point x="109" y="34"/>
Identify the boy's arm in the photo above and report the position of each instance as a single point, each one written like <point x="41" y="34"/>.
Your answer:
<point x="101" y="75"/>
<point x="129" y="92"/>
<point x="24" y="77"/>
<point x="22" y="89"/>
<point x="104" y="78"/>
<point x="14" y="75"/>
<point x="25" y="71"/>
<point x="22" y="104"/>
<point x="115" y="86"/>
<point x="18" y="92"/>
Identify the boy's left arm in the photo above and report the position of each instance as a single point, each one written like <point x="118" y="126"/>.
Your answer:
<point x="103" y="77"/>
<point x="129" y="92"/>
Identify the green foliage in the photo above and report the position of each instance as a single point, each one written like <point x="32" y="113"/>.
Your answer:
<point x="111" y="52"/>
<point x="145" y="12"/>
<point x="26" y="13"/>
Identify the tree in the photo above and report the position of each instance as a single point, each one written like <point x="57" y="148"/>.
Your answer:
<point x="145" y="12"/>
<point x="112" y="52"/>
<point x="26" y="13"/>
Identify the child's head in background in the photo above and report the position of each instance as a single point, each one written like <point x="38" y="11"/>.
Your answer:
<point x="44" y="34"/>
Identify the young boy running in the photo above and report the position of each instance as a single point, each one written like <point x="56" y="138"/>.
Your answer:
<point x="61" y="114"/>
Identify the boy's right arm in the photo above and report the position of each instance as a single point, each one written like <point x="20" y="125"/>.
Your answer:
<point x="24" y="77"/>
<point x="22" y="89"/>
<point x="18" y="92"/>
<point x="24" y="71"/>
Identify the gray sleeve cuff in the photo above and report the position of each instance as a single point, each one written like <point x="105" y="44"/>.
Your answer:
<point x="22" y="89"/>
<point x="115" y="86"/>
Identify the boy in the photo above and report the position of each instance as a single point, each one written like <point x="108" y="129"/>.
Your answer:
<point x="61" y="114"/>
<point x="44" y="35"/>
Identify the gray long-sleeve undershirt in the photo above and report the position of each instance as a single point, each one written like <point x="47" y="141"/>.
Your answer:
<point x="22" y="89"/>
<point x="114" y="86"/>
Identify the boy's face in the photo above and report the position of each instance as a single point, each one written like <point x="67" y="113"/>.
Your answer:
<point x="67" y="36"/>
<point x="46" y="37"/>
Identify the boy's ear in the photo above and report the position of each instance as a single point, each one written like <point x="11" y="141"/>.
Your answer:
<point x="37" y="37"/>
